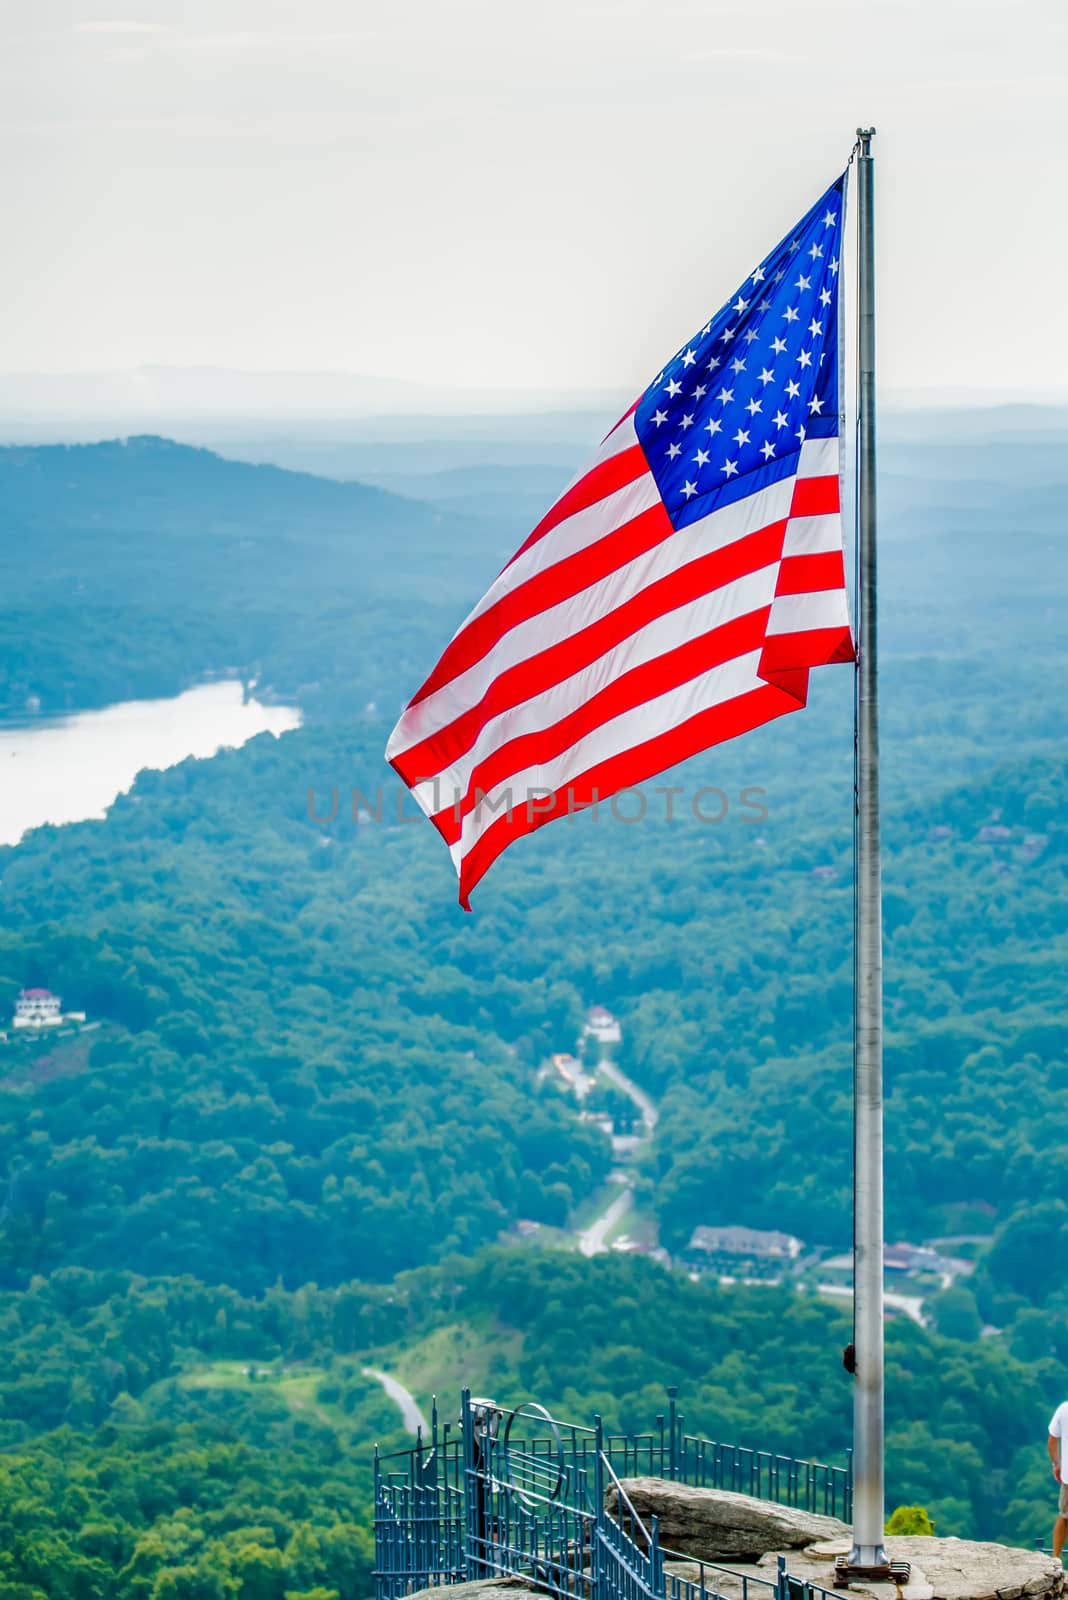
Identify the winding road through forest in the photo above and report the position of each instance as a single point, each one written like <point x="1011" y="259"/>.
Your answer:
<point x="645" y="1105"/>
<point x="402" y="1398"/>
<point x="593" y="1239"/>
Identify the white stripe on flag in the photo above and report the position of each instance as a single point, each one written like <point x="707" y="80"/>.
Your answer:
<point x="813" y="536"/>
<point x="665" y="633"/>
<point x="612" y="738"/>
<point x="575" y="533"/>
<point x="818" y="458"/>
<point x="805" y="613"/>
<point x="528" y="638"/>
<point x="621" y="437"/>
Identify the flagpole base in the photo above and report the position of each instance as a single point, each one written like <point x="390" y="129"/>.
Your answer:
<point x="846" y="1571"/>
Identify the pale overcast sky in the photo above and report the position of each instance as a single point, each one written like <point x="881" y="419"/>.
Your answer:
<point x="550" y="194"/>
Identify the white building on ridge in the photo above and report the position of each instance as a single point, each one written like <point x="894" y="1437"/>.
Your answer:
<point x="37" y="1008"/>
<point x="602" y="1025"/>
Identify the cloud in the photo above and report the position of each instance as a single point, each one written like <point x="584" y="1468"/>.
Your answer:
<point x="266" y="40"/>
<point x="119" y="26"/>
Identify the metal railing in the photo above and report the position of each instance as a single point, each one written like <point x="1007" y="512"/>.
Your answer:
<point x="516" y="1492"/>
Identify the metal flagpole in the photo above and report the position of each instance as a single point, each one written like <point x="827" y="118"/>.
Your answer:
<point x="867" y="1559"/>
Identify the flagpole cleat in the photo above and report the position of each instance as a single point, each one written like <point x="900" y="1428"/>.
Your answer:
<point x="847" y="1572"/>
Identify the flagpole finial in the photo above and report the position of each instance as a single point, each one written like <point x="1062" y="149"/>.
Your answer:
<point x="865" y="135"/>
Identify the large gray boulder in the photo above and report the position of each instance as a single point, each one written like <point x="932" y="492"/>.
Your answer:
<point x="716" y="1525"/>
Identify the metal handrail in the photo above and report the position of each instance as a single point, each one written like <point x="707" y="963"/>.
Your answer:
<point x="473" y="1501"/>
<point x="625" y="1500"/>
<point x="681" y="1588"/>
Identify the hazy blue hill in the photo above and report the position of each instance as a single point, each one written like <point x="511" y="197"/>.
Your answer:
<point x="135" y="568"/>
<point x="513" y="497"/>
<point x="72" y="495"/>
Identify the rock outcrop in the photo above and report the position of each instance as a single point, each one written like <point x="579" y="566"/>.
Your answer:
<point x="716" y="1525"/>
<point x="750" y="1534"/>
<point x="948" y="1569"/>
<point x="480" y="1589"/>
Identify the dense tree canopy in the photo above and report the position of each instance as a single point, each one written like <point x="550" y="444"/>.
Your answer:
<point x="313" y="1095"/>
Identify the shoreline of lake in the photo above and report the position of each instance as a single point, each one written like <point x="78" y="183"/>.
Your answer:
<point x="72" y="768"/>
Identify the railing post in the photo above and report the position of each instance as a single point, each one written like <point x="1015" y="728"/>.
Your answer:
<point x="781" y="1592"/>
<point x="470" y="1488"/>
<point x="597" y="1533"/>
<point x="379" y="1535"/>
<point x="673" y="1423"/>
<point x="847" y="1514"/>
<point x="656" y="1560"/>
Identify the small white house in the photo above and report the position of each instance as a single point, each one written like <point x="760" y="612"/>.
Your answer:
<point x="602" y="1025"/>
<point x="37" y="1008"/>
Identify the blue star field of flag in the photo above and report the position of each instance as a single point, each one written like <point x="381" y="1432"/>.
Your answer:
<point x="730" y="411"/>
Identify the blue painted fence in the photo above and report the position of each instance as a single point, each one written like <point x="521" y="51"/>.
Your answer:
<point x="517" y="1492"/>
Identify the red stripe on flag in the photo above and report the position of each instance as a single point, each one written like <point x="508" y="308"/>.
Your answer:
<point x="631" y="409"/>
<point x="634" y="688"/>
<point x="549" y="588"/>
<point x="632" y="766"/>
<point x="561" y="660"/>
<point x="810" y="574"/>
<point x="603" y="479"/>
<point x="814" y="497"/>
<point x="790" y="652"/>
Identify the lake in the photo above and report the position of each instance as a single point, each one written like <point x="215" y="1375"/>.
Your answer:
<point x="68" y="769"/>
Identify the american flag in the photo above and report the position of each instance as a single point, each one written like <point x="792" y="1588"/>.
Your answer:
<point x="676" y="594"/>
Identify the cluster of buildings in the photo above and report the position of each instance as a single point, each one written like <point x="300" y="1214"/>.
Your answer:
<point x="731" y="1252"/>
<point x="755" y="1253"/>
<point x="743" y="1252"/>
<point x="570" y="1069"/>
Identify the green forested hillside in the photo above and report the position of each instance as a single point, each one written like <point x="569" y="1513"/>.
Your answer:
<point x="277" y="1094"/>
<point x="975" y="1066"/>
<point x="161" y="1438"/>
<point x="164" y="1439"/>
<point x="316" y="1068"/>
<point x="313" y="1096"/>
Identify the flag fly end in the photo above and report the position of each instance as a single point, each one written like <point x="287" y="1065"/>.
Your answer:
<point x="678" y="591"/>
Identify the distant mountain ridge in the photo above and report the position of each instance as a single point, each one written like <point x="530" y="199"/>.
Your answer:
<point x="133" y="397"/>
<point x="147" y="470"/>
<point x="154" y="563"/>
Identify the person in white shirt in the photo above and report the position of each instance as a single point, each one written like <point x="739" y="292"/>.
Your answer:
<point x="1057" y="1445"/>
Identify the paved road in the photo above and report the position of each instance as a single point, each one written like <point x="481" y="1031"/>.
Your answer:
<point x="592" y="1239"/>
<point x="639" y="1096"/>
<point x="411" y="1415"/>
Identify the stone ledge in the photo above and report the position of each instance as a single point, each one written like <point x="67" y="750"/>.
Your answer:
<point x="942" y="1569"/>
<point x="952" y="1569"/>
<point x="718" y="1525"/>
<point x="750" y="1535"/>
<point x="479" y="1589"/>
